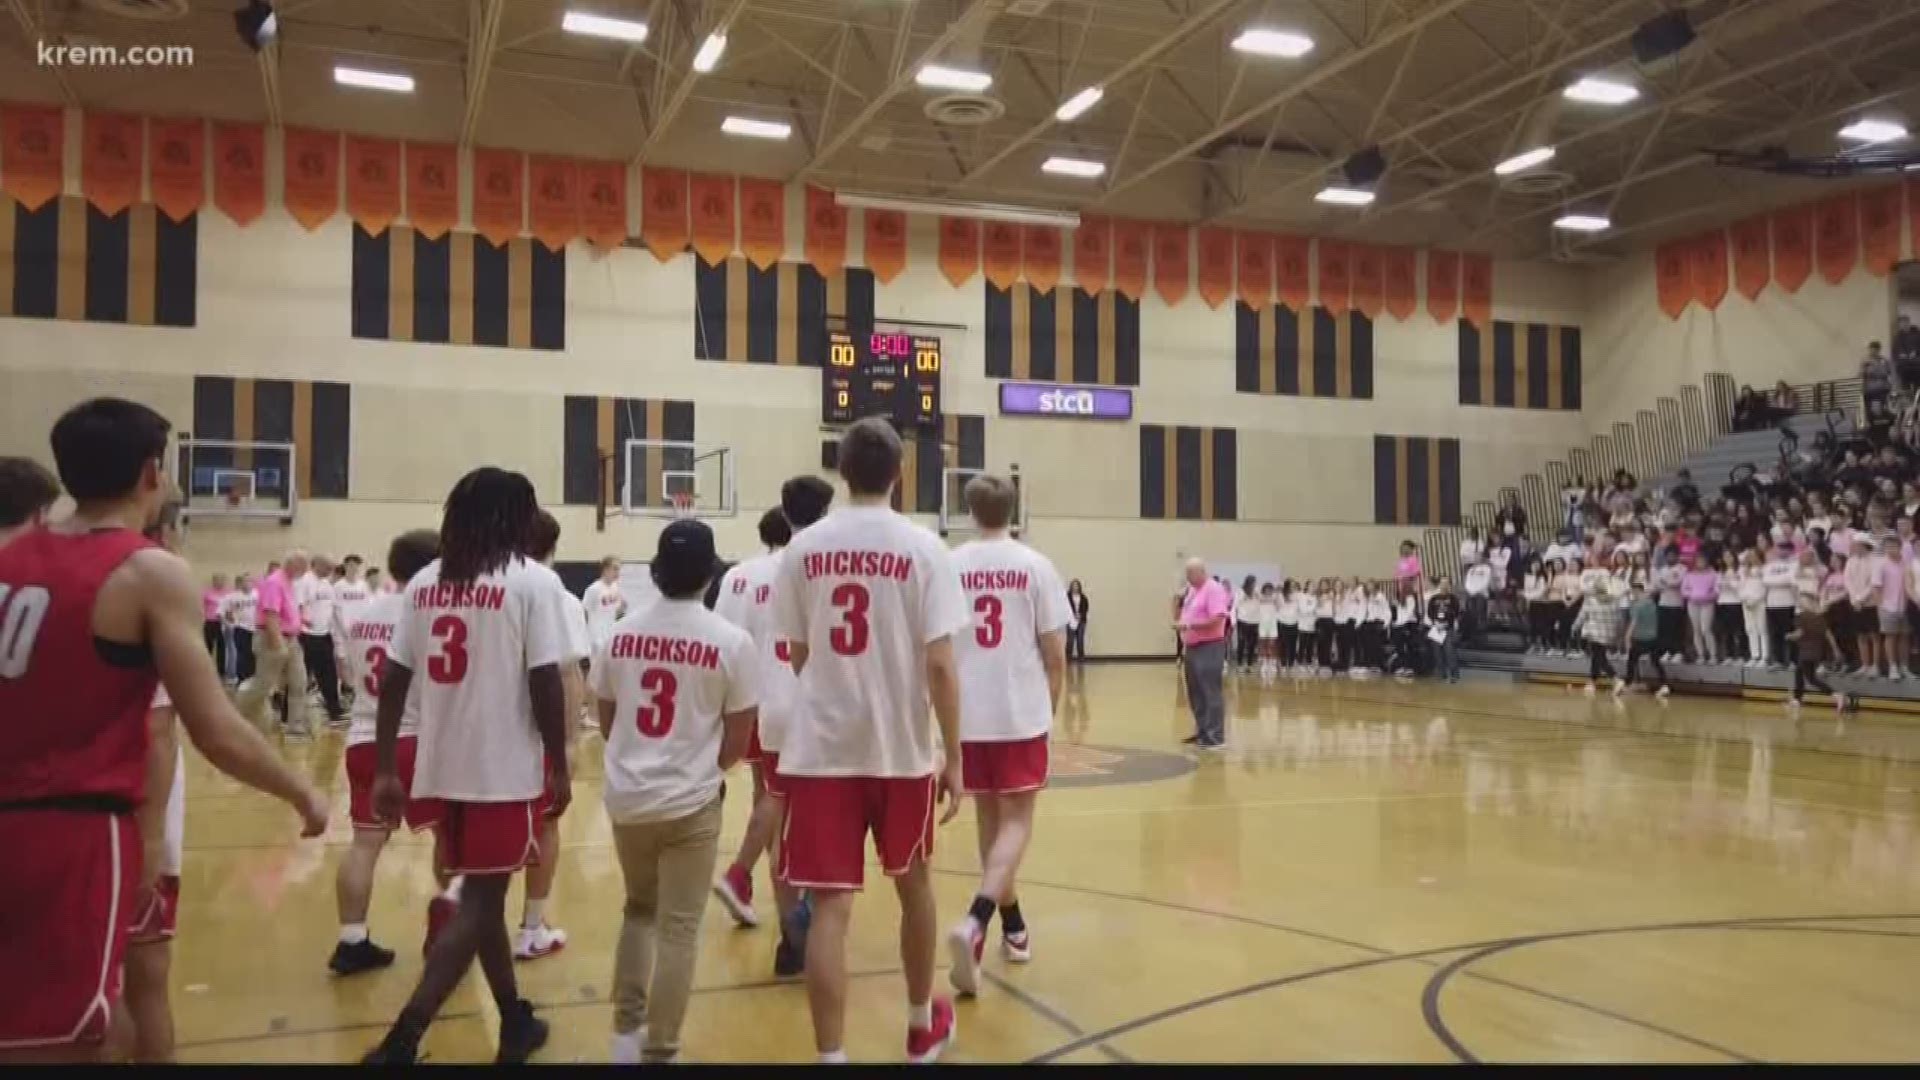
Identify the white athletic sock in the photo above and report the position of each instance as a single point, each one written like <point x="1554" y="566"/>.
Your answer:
<point x="536" y="914"/>
<point x="920" y="1017"/>
<point x="353" y="933"/>
<point x="833" y="1057"/>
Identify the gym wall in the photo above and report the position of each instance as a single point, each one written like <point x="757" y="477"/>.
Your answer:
<point x="274" y="302"/>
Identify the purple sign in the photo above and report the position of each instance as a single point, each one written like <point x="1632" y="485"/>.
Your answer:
<point x="1067" y="402"/>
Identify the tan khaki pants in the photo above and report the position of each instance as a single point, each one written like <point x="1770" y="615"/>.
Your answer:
<point x="669" y="870"/>
<point x="274" y="671"/>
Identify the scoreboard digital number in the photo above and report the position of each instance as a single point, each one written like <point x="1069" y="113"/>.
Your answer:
<point x="896" y="376"/>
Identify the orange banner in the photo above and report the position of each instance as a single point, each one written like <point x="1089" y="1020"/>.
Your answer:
<point x="433" y="188"/>
<point x="1000" y="253"/>
<point x="1443" y="285"/>
<point x="1336" y="274"/>
<point x="826" y="241"/>
<point x="1040" y="256"/>
<point x="1836" y="236"/>
<point x="959" y="250"/>
<point x="33" y="151"/>
<point x="886" y="236"/>
<point x="1751" y="257"/>
<point x="1215" y="264"/>
<point x="1293" y="270"/>
<point x="1709" y="270"/>
<point x="111" y="152"/>
<point x="553" y="200"/>
<point x="663" y="212"/>
<point x="311" y="184"/>
<point x="1400" y="281"/>
<point x="1368" y="279"/>
<point x="1253" y="263"/>
<point x="499" y="194"/>
<point x="1792" y="247"/>
<point x="1880" y="228"/>
<point x="240" y="171"/>
<point x="1093" y="254"/>
<point x="763" y="221"/>
<point x="373" y="182"/>
<point x="1476" y="289"/>
<point x="711" y="200"/>
<point x="177" y="166"/>
<point x="603" y="203"/>
<point x="1913" y="213"/>
<point x="1130" y="242"/>
<point x="1673" y="277"/>
<point x="1172" y="247"/>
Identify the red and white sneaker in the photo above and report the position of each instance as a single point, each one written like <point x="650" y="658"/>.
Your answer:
<point x="925" y="1045"/>
<point x="735" y="890"/>
<point x="539" y="941"/>
<point x="965" y="943"/>
<point x="1016" y="947"/>
<point x="440" y="912"/>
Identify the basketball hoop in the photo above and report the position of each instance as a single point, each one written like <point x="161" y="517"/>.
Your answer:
<point x="234" y="498"/>
<point x="682" y="502"/>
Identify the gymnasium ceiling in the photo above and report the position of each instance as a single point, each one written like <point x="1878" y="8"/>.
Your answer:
<point x="1190" y="129"/>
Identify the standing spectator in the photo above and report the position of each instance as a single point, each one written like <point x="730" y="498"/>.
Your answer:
<point x="1906" y="351"/>
<point x="1471" y="549"/>
<point x="1598" y="626"/>
<point x="1700" y="588"/>
<point x="1202" y="626"/>
<point x="278" y="663"/>
<point x="1567" y="584"/>
<point x="1352" y="612"/>
<point x="1478" y="582"/>
<point x="1673" y="616"/>
<point x="1077" y="611"/>
<point x="213" y="627"/>
<point x="1876" y="379"/>
<point x="1443" y="618"/>
<point x="1306" y="616"/>
<point x="314" y="592"/>
<point x="1754" y="598"/>
<point x="1533" y="592"/>
<point x="240" y="612"/>
<point x="1373" y="632"/>
<point x="1727" y="621"/>
<point x="1862" y="576"/>
<point x="1893" y="600"/>
<point x="1510" y="521"/>
<point x="1246" y="626"/>
<point x="1286" y="614"/>
<point x="1406" y="631"/>
<point x="1407" y="571"/>
<point x="1810" y="638"/>
<point x="1643" y="639"/>
<point x="1268" y="610"/>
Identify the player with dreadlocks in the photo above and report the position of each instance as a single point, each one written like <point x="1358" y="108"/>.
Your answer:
<point x="484" y="625"/>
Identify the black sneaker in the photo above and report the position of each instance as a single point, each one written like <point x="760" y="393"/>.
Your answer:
<point x="389" y="1053"/>
<point x="788" y="961"/>
<point x="521" y="1033"/>
<point x="362" y="955"/>
<point x="1190" y="740"/>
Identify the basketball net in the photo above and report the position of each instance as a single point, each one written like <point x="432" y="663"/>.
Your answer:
<point x="682" y="504"/>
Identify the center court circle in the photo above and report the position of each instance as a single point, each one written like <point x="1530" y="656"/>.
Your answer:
<point x="1080" y="765"/>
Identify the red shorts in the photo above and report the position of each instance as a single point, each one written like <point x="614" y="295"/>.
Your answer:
<point x="767" y="768"/>
<point x="362" y="762"/>
<point x="64" y="916"/>
<point x="823" y="845"/>
<point x="1004" y="768"/>
<point x="156" y="913"/>
<point x="755" y="752"/>
<point x="487" y="838"/>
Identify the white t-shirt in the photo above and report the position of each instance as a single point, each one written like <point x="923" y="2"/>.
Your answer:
<point x="348" y="595"/>
<point x="242" y="606"/>
<point x="470" y="648"/>
<point x="1479" y="579"/>
<point x="573" y="625"/>
<point x="1270" y="618"/>
<point x="673" y="670"/>
<point x="1015" y="597"/>
<point x="746" y="601"/>
<point x="604" y="605"/>
<point x="315" y="599"/>
<point x="1379" y="608"/>
<point x="367" y="641"/>
<point x="1778" y="575"/>
<point x="866" y="591"/>
<point x="174" y="826"/>
<point x="1306" y="611"/>
<point x="1353" y="607"/>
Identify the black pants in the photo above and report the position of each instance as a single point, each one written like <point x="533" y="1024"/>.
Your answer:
<point x="1840" y="621"/>
<point x="1599" y="665"/>
<point x="211" y="630"/>
<point x="1779" y="625"/>
<point x="1730" y="630"/>
<point x="1564" y="631"/>
<point x="318" y="650"/>
<point x="242" y="654"/>
<point x="1673" y="631"/>
<point x="1077" y="643"/>
<point x="1246" y="643"/>
<point x="1373" y="645"/>
<point x="1651" y="652"/>
<point x="1307" y="649"/>
<point x="1539" y="623"/>
<point x="1323" y="632"/>
<point x="1348" y="638"/>
<point x="1289" y="643"/>
<point x="1807" y="673"/>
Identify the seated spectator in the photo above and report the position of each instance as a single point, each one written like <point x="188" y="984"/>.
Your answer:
<point x="1906" y="351"/>
<point x="1785" y="403"/>
<point x="1876" y="377"/>
<point x="1510" y="522"/>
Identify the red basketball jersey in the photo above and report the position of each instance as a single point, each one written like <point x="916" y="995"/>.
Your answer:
<point x="75" y="724"/>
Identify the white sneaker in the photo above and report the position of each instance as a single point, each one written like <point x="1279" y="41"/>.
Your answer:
<point x="964" y="943"/>
<point x="1619" y="687"/>
<point x="627" y="1046"/>
<point x="539" y="941"/>
<point x="1592" y="689"/>
<point x="1663" y="692"/>
<point x="1017" y="948"/>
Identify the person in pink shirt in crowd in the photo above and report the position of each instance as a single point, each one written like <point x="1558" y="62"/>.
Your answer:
<point x="212" y="600"/>
<point x="277" y="661"/>
<point x="1205" y="610"/>
<point x="1700" y="588"/>
<point x="1407" y="571"/>
<point x="1897" y="553"/>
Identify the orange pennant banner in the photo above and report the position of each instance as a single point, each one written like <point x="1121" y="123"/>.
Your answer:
<point x="1172" y="260"/>
<point x="311" y="185"/>
<point x="111" y="165"/>
<point x="959" y="250"/>
<point x="603" y="203"/>
<point x="1400" y="281"/>
<point x="1336" y="274"/>
<point x="177" y="166"/>
<point x="1913" y="213"/>
<point x="1673" y="277"/>
<point x="1709" y="270"/>
<point x="1000" y="253"/>
<point x="826" y="241"/>
<point x="1093" y="254"/>
<point x="553" y="200"/>
<point x="433" y="188"/>
<point x="1215" y="265"/>
<point x="499" y="194"/>
<point x="1880" y="222"/>
<point x="711" y="200"/>
<point x="1368" y="279"/>
<point x="240" y="171"/>
<point x="886" y="237"/>
<point x="373" y="182"/>
<point x="663" y="214"/>
<point x="1476" y="289"/>
<point x="1293" y="270"/>
<point x="33" y="151"/>
<point x="1253" y="262"/>
<point x="1130" y="243"/>
<point x="1836" y="236"/>
<point x="763" y="221"/>
<point x="1792" y="247"/>
<point x="1752" y="257"/>
<point x="1443" y="285"/>
<point x="1040" y="256"/>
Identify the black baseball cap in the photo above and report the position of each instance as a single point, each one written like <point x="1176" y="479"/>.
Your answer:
<point x="685" y="557"/>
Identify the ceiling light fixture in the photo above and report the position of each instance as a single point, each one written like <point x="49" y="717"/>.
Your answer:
<point x="1344" y="196"/>
<point x="1286" y="44"/>
<point x="1077" y="105"/>
<point x="1521" y="162"/>
<point x="1874" y="131"/>
<point x="939" y="77"/>
<point x="1587" y="223"/>
<point x="373" y="80"/>
<point x="1595" y="91"/>
<point x="1079" y="168"/>
<point x="755" y="129"/>
<point x="579" y="22"/>
<point x="1018" y="215"/>
<point x="710" y="52"/>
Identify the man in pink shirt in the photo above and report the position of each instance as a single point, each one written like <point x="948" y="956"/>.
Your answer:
<point x="277" y="661"/>
<point x="1205" y="611"/>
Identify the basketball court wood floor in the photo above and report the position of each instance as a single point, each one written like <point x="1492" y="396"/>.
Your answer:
<point x="1374" y="872"/>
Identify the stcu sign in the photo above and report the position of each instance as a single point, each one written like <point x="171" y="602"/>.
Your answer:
<point x="1067" y="402"/>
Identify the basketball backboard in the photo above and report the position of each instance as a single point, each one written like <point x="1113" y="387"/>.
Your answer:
<point x="954" y="518"/>
<point x="225" y="479"/>
<point x="663" y="478"/>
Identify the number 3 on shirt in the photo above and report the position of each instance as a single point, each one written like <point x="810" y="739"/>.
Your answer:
<point x="851" y="636"/>
<point x="988" y="634"/>
<point x="655" y="719"/>
<point x="376" y="663"/>
<point x="450" y="665"/>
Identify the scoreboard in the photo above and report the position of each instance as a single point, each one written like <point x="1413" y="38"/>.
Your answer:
<point x="882" y="373"/>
